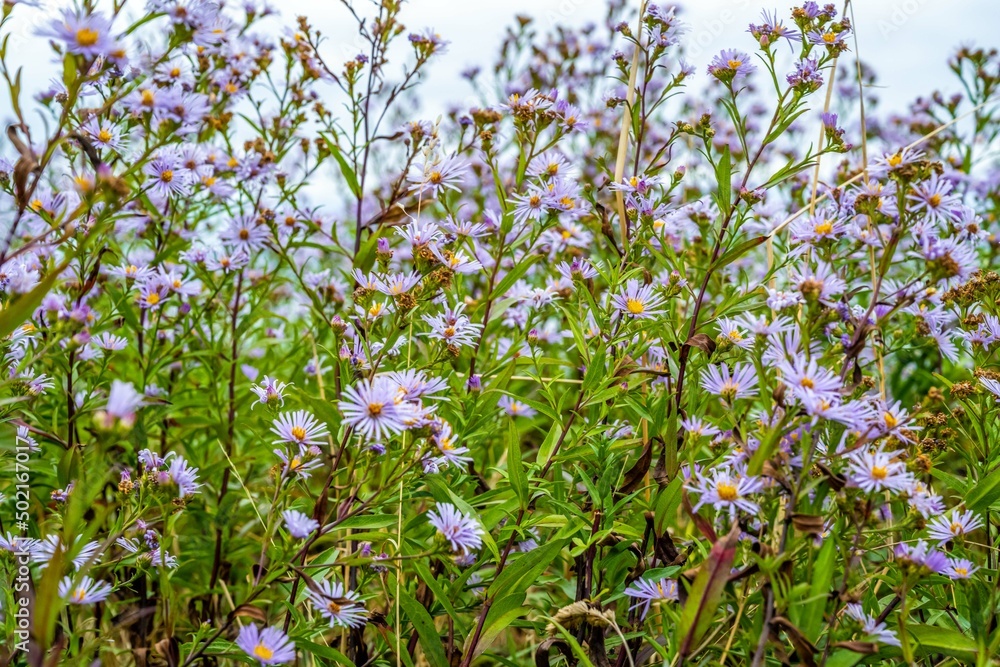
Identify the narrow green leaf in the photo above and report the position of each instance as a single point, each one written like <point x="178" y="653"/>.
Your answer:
<point x="423" y="624"/>
<point x="706" y="593"/>
<point x="523" y="572"/>
<point x="515" y="468"/>
<point x="984" y="493"/>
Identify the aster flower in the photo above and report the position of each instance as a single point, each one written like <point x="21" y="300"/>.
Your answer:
<point x="269" y="646"/>
<point x="123" y="402"/>
<point x="531" y="205"/>
<point x="339" y="606"/>
<point x="85" y="34"/>
<point x="877" y="470"/>
<point x="921" y="555"/>
<point x="960" y="568"/>
<point x="298" y="524"/>
<point x="376" y="409"/>
<point x="881" y="166"/>
<point x="731" y="65"/>
<point x="245" y="233"/>
<point x="647" y="591"/>
<point x="515" y="408"/>
<point x="110" y="342"/>
<point x="741" y="382"/>
<point x="300" y="463"/>
<point x="269" y="392"/>
<point x="298" y="428"/>
<point x="991" y="386"/>
<point x="934" y="199"/>
<point x="463" y="533"/>
<point x="16" y="544"/>
<point x="637" y="301"/>
<point x="870" y="626"/>
<point x="86" y="592"/>
<point x="453" y="327"/>
<point x="725" y="490"/>
<point x="166" y="176"/>
<point x="806" y="377"/>
<point x="179" y="473"/>
<point x="447" y="444"/>
<point x="698" y="428"/>
<point x="433" y="178"/>
<point x="734" y="331"/>
<point x="44" y="549"/>
<point x="944" y="529"/>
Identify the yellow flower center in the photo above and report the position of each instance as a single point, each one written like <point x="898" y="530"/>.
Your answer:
<point x="735" y="64"/>
<point x="167" y="175"/>
<point x="895" y="160"/>
<point x="890" y="420"/>
<point x="333" y="607"/>
<point x="86" y="37"/>
<point x="635" y="306"/>
<point x="934" y="200"/>
<point x="726" y="491"/>
<point x="298" y="433"/>
<point x="825" y="227"/>
<point x="148" y="97"/>
<point x="962" y="571"/>
<point x="829" y="37"/>
<point x="375" y="409"/>
<point x="152" y="298"/>
<point x="435" y="177"/>
<point x="807" y="383"/>
<point x="79" y="594"/>
<point x="262" y="652"/>
<point x="104" y="135"/>
<point x="879" y="472"/>
<point x="956" y="528"/>
<point x="244" y="234"/>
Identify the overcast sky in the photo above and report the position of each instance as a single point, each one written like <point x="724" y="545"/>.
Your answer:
<point x="908" y="41"/>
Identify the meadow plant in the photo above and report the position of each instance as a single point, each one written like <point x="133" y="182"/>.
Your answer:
<point x="636" y="361"/>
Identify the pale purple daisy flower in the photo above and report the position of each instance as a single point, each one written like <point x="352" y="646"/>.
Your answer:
<point x="960" y="568"/>
<point x="376" y="409"/>
<point x="921" y="554"/>
<point x="807" y="378"/>
<point x="298" y="428"/>
<point x="515" y="408"/>
<point x="433" y="178"/>
<point x="945" y="529"/>
<point x="725" y="490"/>
<point x="647" y="591"/>
<point x="269" y="646"/>
<point x="88" y="34"/>
<point x="637" y="301"/>
<point x="340" y="607"/>
<point x="741" y="382"/>
<point x="269" y="391"/>
<point x="298" y="464"/>
<point x="180" y="474"/>
<point x="871" y="626"/>
<point x="730" y="65"/>
<point x="877" y="470"/>
<point x="86" y="592"/>
<point x="298" y="524"/>
<point x="462" y="532"/>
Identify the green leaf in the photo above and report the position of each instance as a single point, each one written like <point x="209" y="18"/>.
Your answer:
<point x="523" y="572"/>
<point x="724" y="178"/>
<point x="667" y="502"/>
<point x="737" y="252"/>
<point x="811" y="622"/>
<point x="423" y="624"/>
<point x="515" y="468"/>
<point x="706" y="593"/>
<point x="933" y="639"/>
<point x="513" y="276"/>
<point x="345" y="169"/>
<point x="984" y="493"/>
<point x="503" y="612"/>
<point x="311" y="648"/>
